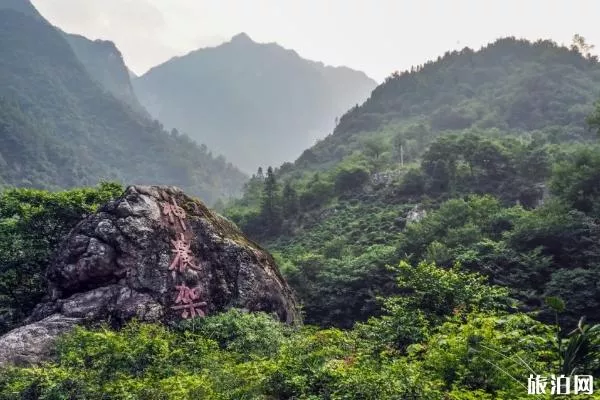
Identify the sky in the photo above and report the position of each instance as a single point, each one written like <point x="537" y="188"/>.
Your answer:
<point x="374" y="36"/>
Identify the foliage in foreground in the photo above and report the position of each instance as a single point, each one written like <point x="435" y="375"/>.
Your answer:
<point x="32" y="223"/>
<point x="151" y="361"/>
<point x="467" y="347"/>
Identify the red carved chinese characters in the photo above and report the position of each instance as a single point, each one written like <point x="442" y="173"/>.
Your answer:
<point x="174" y="211"/>
<point x="186" y="300"/>
<point x="183" y="255"/>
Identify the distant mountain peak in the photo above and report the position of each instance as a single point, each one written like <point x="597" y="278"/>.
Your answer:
<point x="241" y="38"/>
<point x="242" y="96"/>
<point x="77" y="103"/>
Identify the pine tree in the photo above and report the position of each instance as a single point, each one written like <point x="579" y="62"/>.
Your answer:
<point x="290" y="200"/>
<point x="270" y="207"/>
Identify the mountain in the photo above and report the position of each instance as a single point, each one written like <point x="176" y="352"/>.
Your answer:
<point x="417" y="227"/>
<point x="258" y="104"/>
<point x="511" y="86"/>
<point x="101" y="58"/>
<point x="104" y="62"/>
<point x="60" y="128"/>
<point x="482" y="158"/>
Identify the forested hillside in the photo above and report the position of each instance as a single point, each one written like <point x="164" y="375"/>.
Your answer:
<point x="444" y="243"/>
<point x="256" y="103"/>
<point x="104" y="62"/>
<point x="509" y="191"/>
<point x="508" y="87"/>
<point x="60" y="128"/>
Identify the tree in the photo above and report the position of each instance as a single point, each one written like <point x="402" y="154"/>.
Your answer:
<point x="440" y="173"/>
<point x="399" y="143"/>
<point x="317" y="193"/>
<point x="431" y="295"/>
<point x="534" y="164"/>
<point x="487" y="352"/>
<point x="439" y="163"/>
<point x="413" y="182"/>
<point x="577" y="181"/>
<point x="271" y="202"/>
<point x="579" y="44"/>
<point x="375" y="146"/>
<point x="253" y="192"/>
<point x="350" y="178"/>
<point x="593" y="120"/>
<point x="32" y="224"/>
<point x="290" y="200"/>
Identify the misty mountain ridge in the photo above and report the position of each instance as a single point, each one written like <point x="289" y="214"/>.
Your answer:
<point x="104" y="62"/>
<point x="255" y="103"/>
<point x="65" y="124"/>
<point x="511" y="86"/>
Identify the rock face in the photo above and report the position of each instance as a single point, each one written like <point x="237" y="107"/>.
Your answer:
<point x="33" y="343"/>
<point x="416" y="214"/>
<point x="154" y="254"/>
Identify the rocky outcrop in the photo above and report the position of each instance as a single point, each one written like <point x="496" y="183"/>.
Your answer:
<point x="416" y="214"/>
<point x="34" y="342"/>
<point x="154" y="254"/>
<point x="385" y="178"/>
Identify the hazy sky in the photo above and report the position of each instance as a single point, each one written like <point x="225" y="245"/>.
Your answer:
<point x="375" y="36"/>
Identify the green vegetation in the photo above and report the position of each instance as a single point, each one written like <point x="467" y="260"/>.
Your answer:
<point x="503" y="186"/>
<point x="439" y="252"/>
<point x="60" y="129"/>
<point x="254" y="103"/>
<point x="509" y="87"/>
<point x="471" y="349"/>
<point x="515" y="200"/>
<point x="104" y="62"/>
<point x="32" y="223"/>
<point x="487" y="209"/>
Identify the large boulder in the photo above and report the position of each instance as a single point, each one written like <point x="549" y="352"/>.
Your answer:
<point x="34" y="342"/>
<point x="154" y="254"/>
